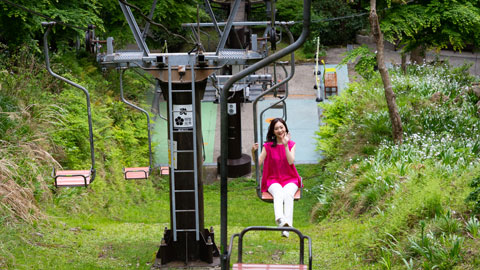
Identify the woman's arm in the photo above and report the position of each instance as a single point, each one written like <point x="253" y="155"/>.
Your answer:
<point x="290" y="153"/>
<point x="262" y="156"/>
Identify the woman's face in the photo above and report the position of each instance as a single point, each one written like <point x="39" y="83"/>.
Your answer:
<point x="279" y="129"/>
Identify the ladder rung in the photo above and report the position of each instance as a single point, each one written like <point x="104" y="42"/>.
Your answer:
<point x="186" y="230"/>
<point x="185" y="190"/>
<point x="183" y="171"/>
<point x="182" y="91"/>
<point x="183" y="151"/>
<point x="185" y="211"/>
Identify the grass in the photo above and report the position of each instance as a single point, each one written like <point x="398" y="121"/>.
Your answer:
<point x="130" y="239"/>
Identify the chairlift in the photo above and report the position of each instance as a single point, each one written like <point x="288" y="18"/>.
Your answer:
<point x="239" y="265"/>
<point x="266" y="196"/>
<point x="329" y="81"/>
<point x="134" y="173"/>
<point x="71" y="178"/>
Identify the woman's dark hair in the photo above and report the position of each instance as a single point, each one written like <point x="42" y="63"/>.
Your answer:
<point x="270" y="134"/>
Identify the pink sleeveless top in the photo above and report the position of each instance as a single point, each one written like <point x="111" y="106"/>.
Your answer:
<point x="276" y="168"/>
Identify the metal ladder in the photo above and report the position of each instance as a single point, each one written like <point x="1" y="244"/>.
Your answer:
<point x="173" y="151"/>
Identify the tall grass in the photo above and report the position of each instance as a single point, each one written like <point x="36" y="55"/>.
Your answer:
<point x="402" y="186"/>
<point x="43" y="124"/>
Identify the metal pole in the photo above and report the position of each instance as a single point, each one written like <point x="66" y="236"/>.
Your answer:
<point x="143" y="111"/>
<point x="228" y="27"/>
<point x="150" y="16"/>
<point x="87" y="95"/>
<point x="224" y="120"/>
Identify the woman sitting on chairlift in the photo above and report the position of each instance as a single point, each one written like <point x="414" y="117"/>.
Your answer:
<point x="280" y="177"/>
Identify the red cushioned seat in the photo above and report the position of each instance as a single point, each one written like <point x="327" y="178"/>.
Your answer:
<point x="136" y="173"/>
<point x="72" y="178"/>
<point x="253" y="266"/>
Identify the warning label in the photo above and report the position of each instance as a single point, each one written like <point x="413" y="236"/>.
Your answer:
<point x="182" y="116"/>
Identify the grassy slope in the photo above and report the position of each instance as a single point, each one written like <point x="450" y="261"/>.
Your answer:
<point x="130" y="240"/>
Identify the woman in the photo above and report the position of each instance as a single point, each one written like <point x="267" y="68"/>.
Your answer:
<point x="280" y="177"/>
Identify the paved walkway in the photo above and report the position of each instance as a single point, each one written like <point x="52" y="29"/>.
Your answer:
<point x="302" y="119"/>
<point x="303" y="111"/>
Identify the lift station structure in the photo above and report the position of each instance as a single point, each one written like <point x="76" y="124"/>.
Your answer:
<point x="184" y="79"/>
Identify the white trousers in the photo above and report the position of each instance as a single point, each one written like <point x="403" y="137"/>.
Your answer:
<point x="283" y="201"/>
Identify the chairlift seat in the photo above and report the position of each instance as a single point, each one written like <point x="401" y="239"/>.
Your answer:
<point x="72" y="178"/>
<point x="331" y="86"/>
<point x="252" y="266"/>
<point x="136" y="173"/>
<point x="266" y="196"/>
<point x="164" y="170"/>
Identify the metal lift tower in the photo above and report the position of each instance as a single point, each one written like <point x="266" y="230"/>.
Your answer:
<point x="183" y="79"/>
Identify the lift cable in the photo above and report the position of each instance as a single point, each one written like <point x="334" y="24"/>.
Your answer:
<point x="44" y="16"/>
<point x="161" y="25"/>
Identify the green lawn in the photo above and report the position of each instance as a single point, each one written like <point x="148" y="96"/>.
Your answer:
<point x="130" y="238"/>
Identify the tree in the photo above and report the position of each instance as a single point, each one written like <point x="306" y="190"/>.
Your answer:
<point x="422" y="25"/>
<point x="21" y="22"/>
<point x="397" y="130"/>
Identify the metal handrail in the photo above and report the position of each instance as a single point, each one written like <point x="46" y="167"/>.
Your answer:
<point x="148" y="120"/>
<point x="224" y="119"/>
<point x="49" y="25"/>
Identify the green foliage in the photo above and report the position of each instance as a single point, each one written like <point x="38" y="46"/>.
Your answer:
<point x="473" y="226"/>
<point x="336" y="32"/>
<point x="439" y="252"/>
<point x="396" y="186"/>
<point x="474" y="196"/>
<point x="367" y="61"/>
<point x="433" y="24"/>
<point x="21" y="27"/>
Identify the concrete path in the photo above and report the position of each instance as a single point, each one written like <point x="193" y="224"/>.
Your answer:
<point x="302" y="114"/>
<point x="302" y="119"/>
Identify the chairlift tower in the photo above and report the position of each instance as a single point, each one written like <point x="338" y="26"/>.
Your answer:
<point x="183" y="78"/>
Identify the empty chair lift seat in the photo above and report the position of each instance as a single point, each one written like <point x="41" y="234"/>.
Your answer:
<point x="239" y="265"/>
<point x="331" y="87"/>
<point x="72" y="178"/>
<point x="251" y="266"/>
<point x="136" y="173"/>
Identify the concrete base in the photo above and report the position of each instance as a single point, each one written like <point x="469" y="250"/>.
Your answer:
<point x="238" y="167"/>
<point x="195" y="265"/>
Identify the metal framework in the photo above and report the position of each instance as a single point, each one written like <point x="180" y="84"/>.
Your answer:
<point x="182" y="78"/>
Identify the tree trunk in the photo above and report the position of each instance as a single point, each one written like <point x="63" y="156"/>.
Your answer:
<point x="397" y="130"/>
<point x="404" y="63"/>
<point x="417" y="55"/>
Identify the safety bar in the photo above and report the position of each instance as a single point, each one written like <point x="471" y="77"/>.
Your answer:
<point x="147" y="116"/>
<point x="49" y="25"/>
<point x="263" y="228"/>
<point x="224" y="119"/>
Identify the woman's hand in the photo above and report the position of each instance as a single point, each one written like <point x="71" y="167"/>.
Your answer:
<point x="262" y="155"/>
<point x="286" y="138"/>
<point x="254" y="147"/>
